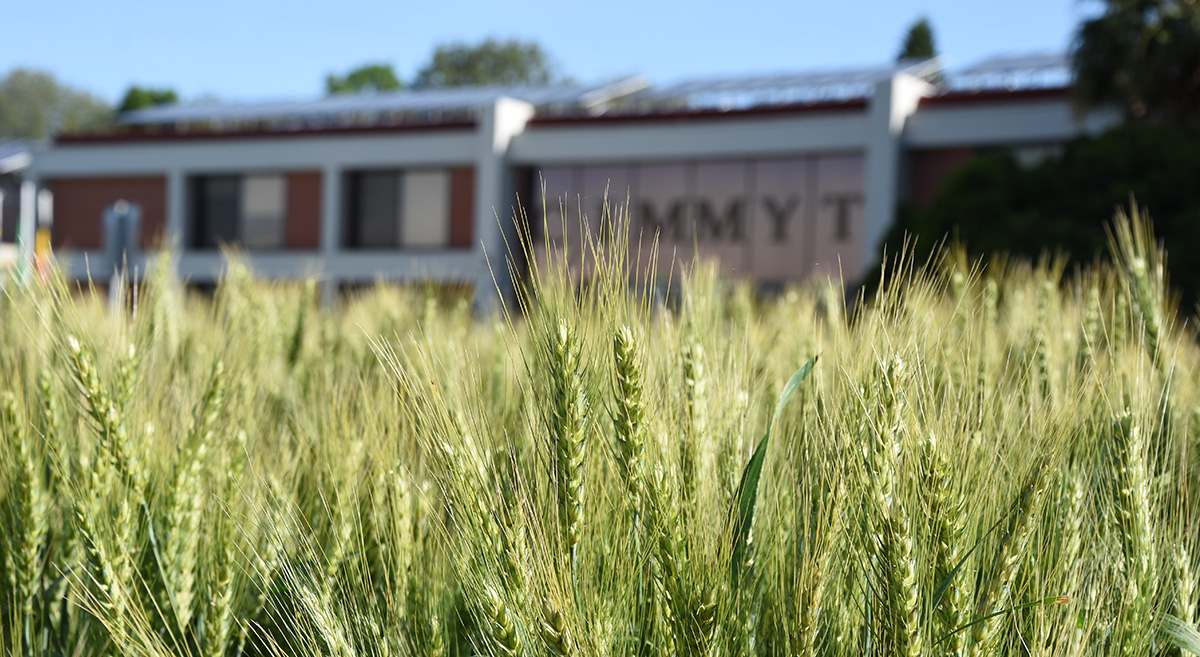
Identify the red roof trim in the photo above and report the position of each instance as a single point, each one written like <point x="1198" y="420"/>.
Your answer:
<point x="260" y="133"/>
<point x="856" y="104"/>
<point x="996" y="95"/>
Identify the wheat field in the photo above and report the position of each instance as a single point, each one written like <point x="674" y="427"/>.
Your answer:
<point x="993" y="460"/>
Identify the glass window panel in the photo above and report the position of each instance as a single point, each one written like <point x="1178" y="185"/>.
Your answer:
<point x="263" y="205"/>
<point x="215" y="211"/>
<point x="613" y="180"/>
<point x="662" y="209"/>
<point x="375" y="209"/>
<point x="556" y="213"/>
<point x="840" y="224"/>
<point x="782" y="240"/>
<point x="425" y="219"/>
<point x="558" y="184"/>
<point x="719" y="214"/>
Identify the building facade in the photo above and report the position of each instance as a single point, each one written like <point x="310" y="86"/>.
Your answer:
<point x="776" y="177"/>
<point x="15" y="194"/>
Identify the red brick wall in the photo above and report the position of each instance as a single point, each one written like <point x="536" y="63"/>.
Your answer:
<point x="462" y="207"/>
<point x="79" y="205"/>
<point x="929" y="168"/>
<point x="303" y="210"/>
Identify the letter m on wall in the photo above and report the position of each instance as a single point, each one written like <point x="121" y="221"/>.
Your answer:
<point x="730" y="226"/>
<point x="668" y="225"/>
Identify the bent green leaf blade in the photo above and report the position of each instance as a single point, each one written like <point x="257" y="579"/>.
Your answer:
<point x="1181" y="635"/>
<point x="747" y="491"/>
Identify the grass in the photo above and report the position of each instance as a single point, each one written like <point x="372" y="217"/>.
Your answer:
<point x="982" y="461"/>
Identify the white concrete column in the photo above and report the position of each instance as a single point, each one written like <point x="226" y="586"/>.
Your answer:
<point x="331" y="219"/>
<point x="494" y="201"/>
<point x="894" y="101"/>
<point x="175" y="236"/>
<point x="26" y="229"/>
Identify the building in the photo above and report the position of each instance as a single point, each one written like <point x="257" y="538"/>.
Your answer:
<point x="15" y="157"/>
<point x="779" y="177"/>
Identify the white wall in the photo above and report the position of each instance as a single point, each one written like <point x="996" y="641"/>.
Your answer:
<point x="701" y="138"/>
<point x="244" y="155"/>
<point x="1004" y="122"/>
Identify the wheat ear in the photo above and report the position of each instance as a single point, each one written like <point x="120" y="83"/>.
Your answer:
<point x="1131" y="497"/>
<point x="554" y="632"/>
<point x="997" y="587"/>
<point x="570" y="439"/>
<point x="31" y="526"/>
<point x="630" y="416"/>
<point x="947" y="517"/>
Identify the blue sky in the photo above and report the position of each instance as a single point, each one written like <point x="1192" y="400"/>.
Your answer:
<point x="259" y="49"/>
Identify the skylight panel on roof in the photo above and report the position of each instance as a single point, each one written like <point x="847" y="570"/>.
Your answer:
<point x="423" y="100"/>
<point x="1022" y="71"/>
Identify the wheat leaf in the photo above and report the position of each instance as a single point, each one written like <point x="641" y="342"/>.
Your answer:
<point x="747" y="492"/>
<point x="1181" y="635"/>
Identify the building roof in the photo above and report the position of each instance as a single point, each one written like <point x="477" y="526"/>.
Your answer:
<point x="624" y="97"/>
<point x="15" y="155"/>
<point x="784" y="88"/>
<point x="1014" y="71"/>
<point x="348" y="107"/>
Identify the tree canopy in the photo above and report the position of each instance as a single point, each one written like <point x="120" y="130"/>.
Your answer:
<point x="369" y="77"/>
<point x="34" y="105"/>
<point x="142" y="97"/>
<point x="489" y="63"/>
<point x="918" y="42"/>
<point x="1064" y="203"/>
<point x="1143" y="57"/>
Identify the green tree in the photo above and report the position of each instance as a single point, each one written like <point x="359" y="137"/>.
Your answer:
<point x="918" y="42"/>
<point x="142" y="97"/>
<point x="34" y="105"/>
<point x="1143" y="57"/>
<point x="1063" y="204"/>
<point x="368" y="77"/>
<point x="489" y="63"/>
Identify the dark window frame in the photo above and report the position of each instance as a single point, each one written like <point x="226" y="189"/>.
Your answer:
<point x="200" y="236"/>
<point x="352" y="201"/>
